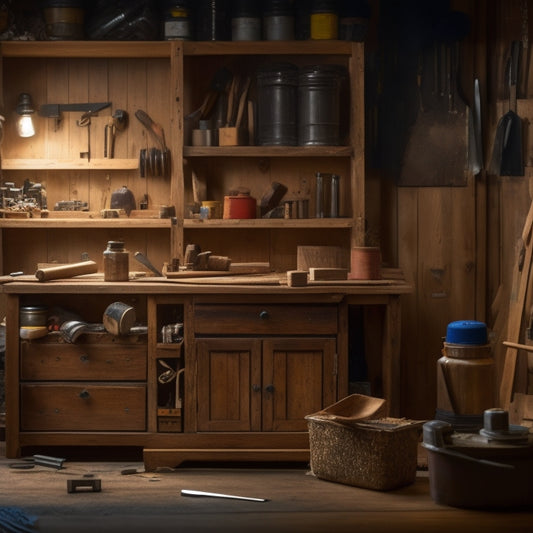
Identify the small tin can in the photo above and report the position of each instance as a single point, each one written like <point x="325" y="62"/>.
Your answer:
<point x="177" y="25"/>
<point x="33" y="315"/>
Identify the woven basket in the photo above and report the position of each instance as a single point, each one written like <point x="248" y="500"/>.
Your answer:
<point x="374" y="454"/>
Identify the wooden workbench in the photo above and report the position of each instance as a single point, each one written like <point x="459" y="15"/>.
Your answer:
<point x="256" y="355"/>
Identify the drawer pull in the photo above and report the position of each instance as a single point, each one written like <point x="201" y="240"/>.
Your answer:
<point x="269" y="388"/>
<point x="84" y="394"/>
<point x="84" y="358"/>
<point x="263" y="315"/>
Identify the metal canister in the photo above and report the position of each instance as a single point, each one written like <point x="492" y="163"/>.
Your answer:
<point x="324" y="20"/>
<point x="64" y="19"/>
<point x="178" y="25"/>
<point x="245" y="21"/>
<point x="278" y="20"/>
<point x="334" y="200"/>
<point x="277" y="86"/>
<point x="33" y="315"/>
<point x="116" y="262"/>
<point x="319" y="105"/>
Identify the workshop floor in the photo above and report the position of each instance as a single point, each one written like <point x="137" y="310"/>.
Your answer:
<point x="298" y="502"/>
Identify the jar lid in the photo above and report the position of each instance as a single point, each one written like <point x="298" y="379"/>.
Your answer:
<point x="33" y="309"/>
<point x="466" y="332"/>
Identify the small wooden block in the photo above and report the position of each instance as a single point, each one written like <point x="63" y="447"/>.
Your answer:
<point x="297" y="278"/>
<point x="232" y="137"/>
<point x="324" y="274"/>
<point x="95" y="485"/>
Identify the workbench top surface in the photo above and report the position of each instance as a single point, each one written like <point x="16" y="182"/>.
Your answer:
<point x="261" y="284"/>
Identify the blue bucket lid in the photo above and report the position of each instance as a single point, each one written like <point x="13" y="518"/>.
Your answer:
<point x="466" y="332"/>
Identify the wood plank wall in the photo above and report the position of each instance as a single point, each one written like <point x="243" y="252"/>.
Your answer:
<point x="458" y="245"/>
<point x="129" y="84"/>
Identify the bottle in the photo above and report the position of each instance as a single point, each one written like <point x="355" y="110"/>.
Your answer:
<point x="116" y="262"/>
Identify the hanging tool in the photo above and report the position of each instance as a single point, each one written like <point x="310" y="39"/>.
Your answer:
<point x="507" y="159"/>
<point x="157" y="161"/>
<point x="85" y="122"/>
<point x="117" y="122"/>
<point x="186" y="492"/>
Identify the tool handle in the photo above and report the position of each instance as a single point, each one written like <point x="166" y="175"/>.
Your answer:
<point x="66" y="271"/>
<point x="513" y="73"/>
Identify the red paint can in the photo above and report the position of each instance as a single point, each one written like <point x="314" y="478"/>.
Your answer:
<point x="240" y="206"/>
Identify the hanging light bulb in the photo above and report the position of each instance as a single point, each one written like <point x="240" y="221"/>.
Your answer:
<point x="25" y="109"/>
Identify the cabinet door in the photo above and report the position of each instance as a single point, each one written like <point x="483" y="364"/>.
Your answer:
<point x="229" y="384"/>
<point x="299" y="378"/>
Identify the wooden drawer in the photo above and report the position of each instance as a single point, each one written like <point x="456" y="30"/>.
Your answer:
<point x="83" y="407"/>
<point x="53" y="361"/>
<point x="269" y="319"/>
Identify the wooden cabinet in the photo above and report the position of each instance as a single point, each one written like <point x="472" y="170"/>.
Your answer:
<point x="250" y="378"/>
<point x="250" y="363"/>
<point x="263" y="384"/>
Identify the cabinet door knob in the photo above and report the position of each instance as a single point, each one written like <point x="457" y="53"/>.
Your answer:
<point x="256" y="388"/>
<point x="84" y="394"/>
<point x="269" y="388"/>
<point x="263" y="315"/>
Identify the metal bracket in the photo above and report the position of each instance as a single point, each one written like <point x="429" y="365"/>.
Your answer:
<point x="95" y="485"/>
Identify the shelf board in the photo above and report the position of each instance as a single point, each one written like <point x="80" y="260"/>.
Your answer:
<point x="79" y="222"/>
<point x="329" y="47"/>
<point x="90" y="49"/>
<point x="148" y="49"/>
<point x="70" y="164"/>
<point x="267" y="151"/>
<point x="269" y="223"/>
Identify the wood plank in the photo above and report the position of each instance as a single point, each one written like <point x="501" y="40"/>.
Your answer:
<point x="516" y="310"/>
<point x="66" y="49"/>
<point x="158" y="458"/>
<point x="97" y="163"/>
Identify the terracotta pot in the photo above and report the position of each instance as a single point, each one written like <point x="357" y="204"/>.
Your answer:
<point x="365" y="263"/>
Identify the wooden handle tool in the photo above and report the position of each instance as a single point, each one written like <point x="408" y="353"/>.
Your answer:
<point x="66" y="271"/>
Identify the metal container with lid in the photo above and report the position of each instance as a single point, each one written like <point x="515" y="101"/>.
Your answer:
<point x="64" y="19"/>
<point x="319" y="104"/>
<point x="33" y="315"/>
<point x="278" y="20"/>
<point x="491" y="468"/>
<point x="276" y="105"/>
<point x="245" y="21"/>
